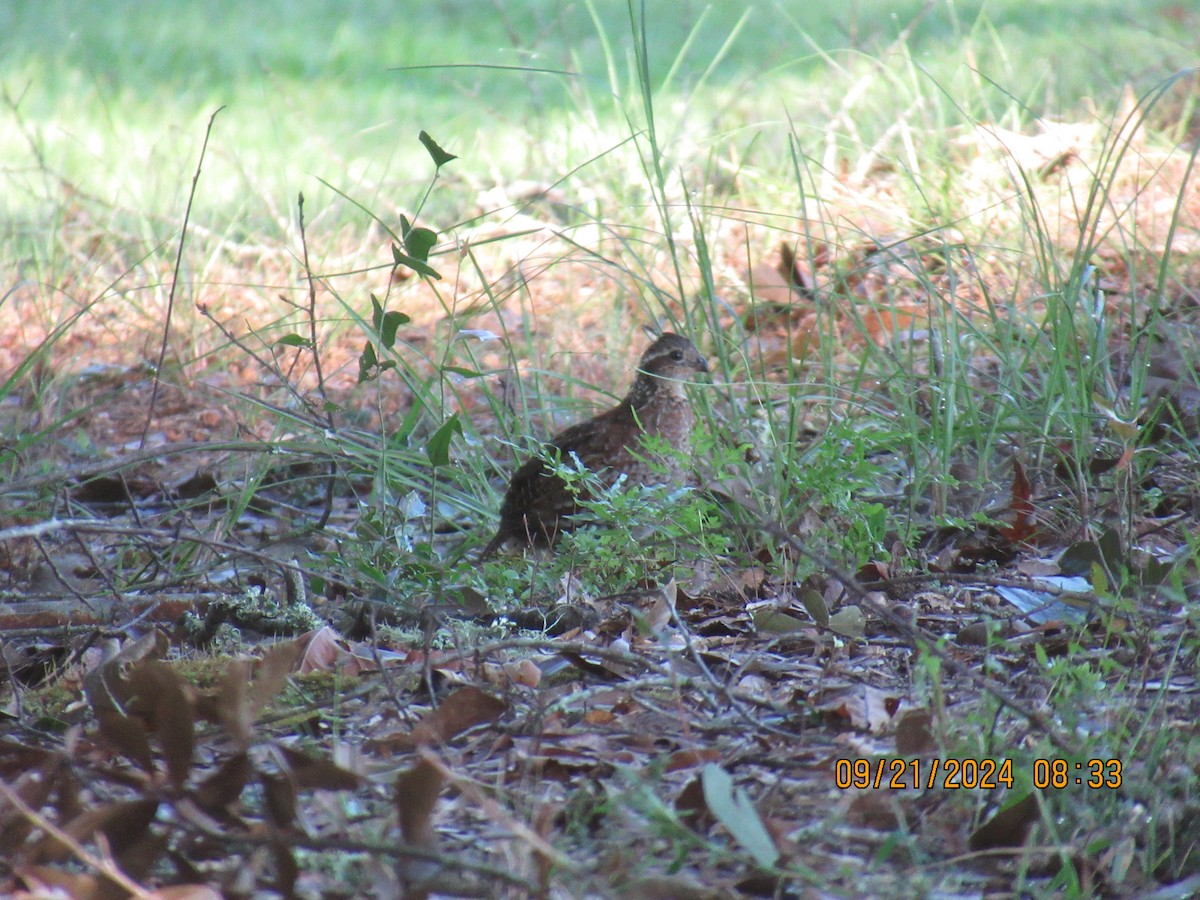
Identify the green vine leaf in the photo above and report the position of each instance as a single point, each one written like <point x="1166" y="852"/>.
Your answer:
<point x="439" y="156"/>
<point x="438" y="448"/>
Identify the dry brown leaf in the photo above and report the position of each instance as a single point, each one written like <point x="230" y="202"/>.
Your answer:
<point x="464" y="709"/>
<point x="44" y="881"/>
<point x="1008" y="828"/>
<point x="416" y="795"/>
<point x="522" y="672"/>
<point x="568" y="754"/>
<point x="286" y="870"/>
<point x="17" y="758"/>
<point x="122" y="824"/>
<point x="31" y="663"/>
<point x="914" y="733"/>
<point x="317" y="773"/>
<point x="155" y="686"/>
<point x="879" y="810"/>
<point x="152" y="645"/>
<point x="671" y="887"/>
<point x="785" y="285"/>
<point x="104" y="686"/>
<point x="186" y="892"/>
<point x="233" y="704"/>
<point x="659" y="615"/>
<point x="279" y="798"/>
<point x="240" y="700"/>
<point x="884" y="324"/>
<point x="599" y="717"/>
<point x="221" y="789"/>
<point x="326" y="651"/>
<point x="589" y="668"/>
<point x="272" y="672"/>
<point x="689" y="759"/>
<point x="691" y="806"/>
<point x="33" y="789"/>
<point x="127" y="736"/>
<point x="1022" y="525"/>
<point x="864" y="707"/>
<point x="136" y="859"/>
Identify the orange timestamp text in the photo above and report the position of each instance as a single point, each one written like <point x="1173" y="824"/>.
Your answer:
<point x="894" y="773"/>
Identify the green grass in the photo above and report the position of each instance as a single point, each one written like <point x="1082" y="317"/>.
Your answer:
<point x="114" y="100"/>
<point x="683" y="153"/>
<point x="661" y="131"/>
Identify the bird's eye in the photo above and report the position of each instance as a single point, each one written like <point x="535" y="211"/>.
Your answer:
<point x="677" y="355"/>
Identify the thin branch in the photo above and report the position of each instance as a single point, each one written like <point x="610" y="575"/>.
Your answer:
<point x="922" y="639"/>
<point x="315" y="350"/>
<point x="266" y="365"/>
<point x="106" y="867"/>
<point x="162" y="351"/>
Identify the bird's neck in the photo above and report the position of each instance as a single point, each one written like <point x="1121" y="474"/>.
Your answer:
<point x="648" y="388"/>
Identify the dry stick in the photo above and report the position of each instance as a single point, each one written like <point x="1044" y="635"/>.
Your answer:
<point x="316" y="355"/>
<point x="392" y="849"/>
<point x="74" y="525"/>
<point x="187" y="214"/>
<point x="483" y="800"/>
<point x="266" y="365"/>
<point x="106" y="867"/>
<point x="103" y="573"/>
<point x="96" y="468"/>
<point x="62" y="579"/>
<point x="922" y="639"/>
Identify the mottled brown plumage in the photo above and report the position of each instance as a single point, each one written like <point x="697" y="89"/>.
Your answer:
<point x="538" y="504"/>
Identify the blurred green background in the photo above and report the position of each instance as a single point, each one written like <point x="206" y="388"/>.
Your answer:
<point x="113" y="96"/>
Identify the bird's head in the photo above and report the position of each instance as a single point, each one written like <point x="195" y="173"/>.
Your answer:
<point x="672" y="358"/>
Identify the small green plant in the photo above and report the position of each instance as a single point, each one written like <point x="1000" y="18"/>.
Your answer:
<point x="624" y="535"/>
<point x="642" y="533"/>
<point x="828" y="491"/>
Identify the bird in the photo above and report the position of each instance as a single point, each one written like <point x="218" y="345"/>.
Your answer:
<point x="539" y="506"/>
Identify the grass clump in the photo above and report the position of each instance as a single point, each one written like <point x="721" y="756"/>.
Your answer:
<point x="974" y="369"/>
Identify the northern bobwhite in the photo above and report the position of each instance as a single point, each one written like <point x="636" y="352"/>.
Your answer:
<point x="538" y="505"/>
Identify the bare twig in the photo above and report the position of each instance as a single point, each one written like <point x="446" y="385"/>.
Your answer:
<point x="93" y="469"/>
<point x="266" y="365"/>
<point x="62" y="579"/>
<point x="495" y="813"/>
<point x="90" y="525"/>
<point x="391" y="849"/>
<point x="187" y="213"/>
<point x="106" y="867"/>
<point x="314" y="349"/>
<point x="927" y="642"/>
